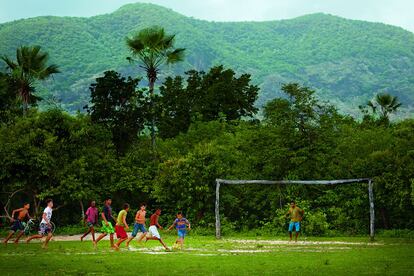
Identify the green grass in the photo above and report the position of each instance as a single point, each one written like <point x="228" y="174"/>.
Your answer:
<point x="206" y="256"/>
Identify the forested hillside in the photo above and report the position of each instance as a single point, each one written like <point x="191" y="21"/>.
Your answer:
<point x="346" y="61"/>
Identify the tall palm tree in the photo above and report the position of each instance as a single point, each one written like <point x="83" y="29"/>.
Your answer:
<point x="385" y="104"/>
<point x="153" y="48"/>
<point x="29" y="67"/>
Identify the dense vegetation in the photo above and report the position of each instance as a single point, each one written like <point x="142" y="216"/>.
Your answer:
<point x="346" y="61"/>
<point x="83" y="157"/>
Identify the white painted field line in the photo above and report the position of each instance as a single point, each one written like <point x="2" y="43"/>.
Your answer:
<point x="284" y="242"/>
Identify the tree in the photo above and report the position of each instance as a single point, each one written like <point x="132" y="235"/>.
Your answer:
<point x="29" y="67"/>
<point x="383" y="104"/>
<point x="9" y="103"/>
<point x="153" y="48"/>
<point x="120" y="106"/>
<point x="209" y="96"/>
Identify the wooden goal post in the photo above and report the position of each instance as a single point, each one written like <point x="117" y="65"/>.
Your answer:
<point x="300" y="182"/>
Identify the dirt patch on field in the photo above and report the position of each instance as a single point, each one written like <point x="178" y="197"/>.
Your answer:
<point x="281" y="242"/>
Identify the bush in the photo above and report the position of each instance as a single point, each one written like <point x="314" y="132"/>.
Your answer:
<point x="315" y="223"/>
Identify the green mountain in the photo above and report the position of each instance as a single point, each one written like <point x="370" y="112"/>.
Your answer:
<point x="346" y="61"/>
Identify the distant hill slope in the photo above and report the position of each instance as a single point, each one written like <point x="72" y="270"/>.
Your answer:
<point x="346" y="61"/>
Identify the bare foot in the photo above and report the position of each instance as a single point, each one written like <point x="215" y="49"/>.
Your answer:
<point x="94" y="244"/>
<point x="116" y="247"/>
<point x="127" y="244"/>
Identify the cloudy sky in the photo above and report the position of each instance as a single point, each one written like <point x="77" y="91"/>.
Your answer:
<point x="394" y="12"/>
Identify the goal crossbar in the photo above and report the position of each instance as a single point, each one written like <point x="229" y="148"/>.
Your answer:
<point x="298" y="182"/>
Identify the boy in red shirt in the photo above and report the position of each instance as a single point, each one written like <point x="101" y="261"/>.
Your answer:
<point x="153" y="228"/>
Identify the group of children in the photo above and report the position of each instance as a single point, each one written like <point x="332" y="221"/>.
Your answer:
<point x="108" y="223"/>
<point x="45" y="227"/>
<point x="121" y="225"/>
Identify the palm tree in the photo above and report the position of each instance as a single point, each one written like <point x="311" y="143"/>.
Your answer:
<point x="153" y="48"/>
<point x="29" y="67"/>
<point x="387" y="104"/>
<point x="383" y="104"/>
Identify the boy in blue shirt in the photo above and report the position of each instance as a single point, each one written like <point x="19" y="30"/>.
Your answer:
<point x="180" y="224"/>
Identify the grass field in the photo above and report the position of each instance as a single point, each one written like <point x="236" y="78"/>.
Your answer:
<point x="207" y="256"/>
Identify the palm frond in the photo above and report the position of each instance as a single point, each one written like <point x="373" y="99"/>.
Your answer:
<point x="175" y="55"/>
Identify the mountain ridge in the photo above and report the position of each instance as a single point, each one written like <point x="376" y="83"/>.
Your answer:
<point x="347" y="61"/>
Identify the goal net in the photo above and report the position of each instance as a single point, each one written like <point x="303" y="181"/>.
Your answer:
<point x="220" y="182"/>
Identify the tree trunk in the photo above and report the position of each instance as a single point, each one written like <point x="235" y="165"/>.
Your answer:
<point x="152" y="77"/>
<point x="82" y="210"/>
<point x="384" y="218"/>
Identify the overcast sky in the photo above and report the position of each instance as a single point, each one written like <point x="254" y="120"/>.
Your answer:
<point x="394" y="12"/>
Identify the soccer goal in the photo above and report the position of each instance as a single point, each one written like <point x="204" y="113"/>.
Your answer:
<point x="220" y="182"/>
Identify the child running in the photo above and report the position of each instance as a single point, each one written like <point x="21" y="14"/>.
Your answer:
<point x="91" y="220"/>
<point x="139" y="225"/>
<point x="121" y="226"/>
<point x="45" y="225"/>
<point x="296" y="215"/>
<point x="153" y="228"/>
<point x="180" y="224"/>
<point x="107" y="221"/>
<point x="17" y="225"/>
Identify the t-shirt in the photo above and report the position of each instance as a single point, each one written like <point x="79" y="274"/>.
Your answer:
<point x="295" y="214"/>
<point x="92" y="214"/>
<point x="154" y="219"/>
<point x="48" y="212"/>
<point x="181" y="223"/>
<point x="107" y="210"/>
<point x="140" y="217"/>
<point x="120" y="218"/>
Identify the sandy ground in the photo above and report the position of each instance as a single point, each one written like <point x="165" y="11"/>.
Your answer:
<point x="235" y="241"/>
<point x="300" y="242"/>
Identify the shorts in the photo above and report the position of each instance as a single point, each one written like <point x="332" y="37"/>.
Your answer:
<point x="90" y="224"/>
<point x="44" y="229"/>
<point x="17" y="226"/>
<point x="182" y="233"/>
<point x="109" y="229"/>
<point x="294" y="224"/>
<point x="120" y="232"/>
<point x="154" y="231"/>
<point x="138" y="227"/>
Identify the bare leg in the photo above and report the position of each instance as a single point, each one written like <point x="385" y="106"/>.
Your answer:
<point x="129" y="240"/>
<point x="181" y="241"/>
<point x="101" y="236"/>
<point x="18" y="237"/>
<point x="111" y="238"/>
<point x="290" y="236"/>
<point x="49" y="236"/>
<point x="296" y="237"/>
<point x="93" y="233"/>
<point x="84" y="235"/>
<point x="143" y="235"/>
<point x="163" y="244"/>
<point x="119" y="243"/>
<point x="38" y="236"/>
<point x="8" y="237"/>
